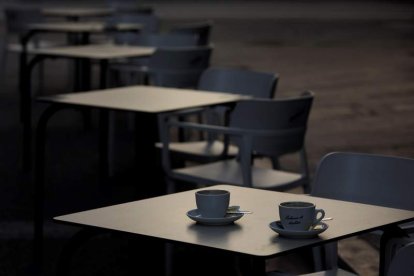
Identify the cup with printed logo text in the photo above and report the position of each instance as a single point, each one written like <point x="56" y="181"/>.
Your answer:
<point x="299" y="215"/>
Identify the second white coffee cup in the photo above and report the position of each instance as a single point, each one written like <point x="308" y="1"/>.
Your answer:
<point x="299" y="215"/>
<point x="212" y="203"/>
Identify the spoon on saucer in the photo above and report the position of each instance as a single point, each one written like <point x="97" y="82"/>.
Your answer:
<point x="236" y="210"/>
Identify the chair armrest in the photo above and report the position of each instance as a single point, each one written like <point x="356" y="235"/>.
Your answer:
<point x="233" y="130"/>
<point x="206" y="127"/>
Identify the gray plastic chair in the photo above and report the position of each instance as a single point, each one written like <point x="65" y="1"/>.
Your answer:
<point x="369" y="179"/>
<point x="257" y="126"/>
<point x="133" y="71"/>
<point x="141" y="9"/>
<point x="150" y="22"/>
<point x="165" y="40"/>
<point x="179" y="67"/>
<point x="169" y="66"/>
<point x="239" y="81"/>
<point x="364" y="178"/>
<point x="128" y="7"/>
<point x="230" y="80"/>
<point x="200" y="29"/>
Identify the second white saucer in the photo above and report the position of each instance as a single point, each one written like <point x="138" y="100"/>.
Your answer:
<point x="278" y="228"/>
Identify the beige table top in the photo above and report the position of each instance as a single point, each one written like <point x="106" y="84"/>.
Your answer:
<point x="92" y="51"/>
<point x="141" y="98"/>
<point x="77" y="11"/>
<point x="86" y="26"/>
<point x="165" y="217"/>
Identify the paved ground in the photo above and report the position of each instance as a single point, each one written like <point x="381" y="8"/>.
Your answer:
<point x="356" y="56"/>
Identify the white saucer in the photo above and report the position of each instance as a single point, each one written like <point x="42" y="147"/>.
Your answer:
<point x="196" y="216"/>
<point x="278" y="228"/>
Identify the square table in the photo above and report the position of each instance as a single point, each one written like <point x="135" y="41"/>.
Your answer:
<point x="75" y="13"/>
<point x="149" y="103"/>
<point x="78" y="33"/>
<point x="95" y="51"/>
<point x="101" y="53"/>
<point x="164" y="218"/>
<point x="84" y="28"/>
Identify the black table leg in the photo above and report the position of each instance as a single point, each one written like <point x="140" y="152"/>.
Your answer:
<point x="103" y="73"/>
<point x="258" y="266"/>
<point x="251" y="266"/>
<point x="26" y="106"/>
<point x="103" y="145"/>
<point x="82" y="66"/>
<point x="104" y="126"/>
<point x="40" y="183"/>
<point x="147" y="158"/>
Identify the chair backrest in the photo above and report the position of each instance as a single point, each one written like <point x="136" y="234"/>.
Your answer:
<point x="141" y="9"/>
<point x="200" y="29"/>
<point x="366" y="178"/>
<point x="131" y="8"/>
<point x="150" y="22"/>
<point x="166" y="40"/>
<point x="239" y="81"/>
<point x="161" y="40"/>
<point x="273" y="115"/>
<point x="178" y="67"/>
<point x="402" y="263"/>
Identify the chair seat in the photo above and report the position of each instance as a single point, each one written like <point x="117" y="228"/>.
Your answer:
<point x="229" y="171"/>
<point x="201" y="151"/>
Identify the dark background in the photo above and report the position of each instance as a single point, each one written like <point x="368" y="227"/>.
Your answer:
<point x="357" y="56"/>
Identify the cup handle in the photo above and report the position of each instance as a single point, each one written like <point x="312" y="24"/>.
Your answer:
<point x="317" y="220"/>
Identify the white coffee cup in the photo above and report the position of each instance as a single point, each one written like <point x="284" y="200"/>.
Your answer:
<point x="299" y="215"/>
<point x="212" y="203"/>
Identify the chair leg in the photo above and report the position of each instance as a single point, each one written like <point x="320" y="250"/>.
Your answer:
<point x="325" y="257"/>
<point x="317" y="253"/>
<point x="331" y="255"/>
